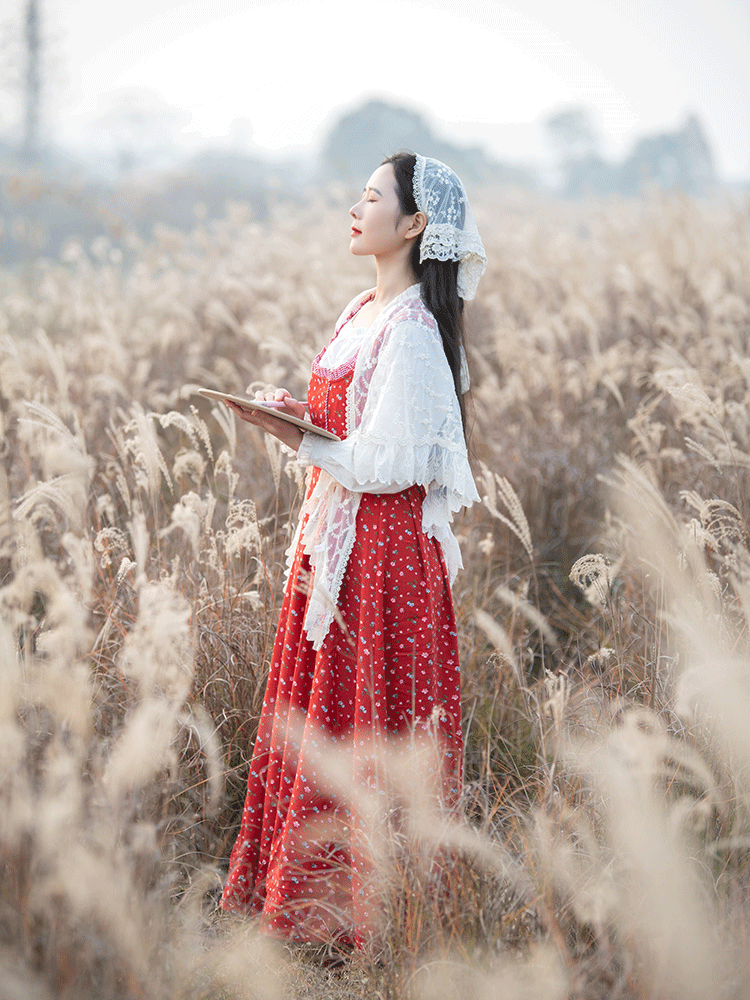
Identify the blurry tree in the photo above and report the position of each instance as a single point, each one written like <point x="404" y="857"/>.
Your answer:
<point x="680" y="159"/>
<point x="670" y="160"/>
<point x="573" y="134"/>
<point x="360" y="139"/>
<point x="576" y="142"/>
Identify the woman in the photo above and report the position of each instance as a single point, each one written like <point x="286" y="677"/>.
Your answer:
<point x="366" y="656"/>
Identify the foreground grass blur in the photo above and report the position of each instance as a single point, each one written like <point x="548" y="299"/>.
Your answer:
<point x="601" y="848"/>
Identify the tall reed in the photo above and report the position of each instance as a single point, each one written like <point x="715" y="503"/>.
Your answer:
<point x="600" y="848"/>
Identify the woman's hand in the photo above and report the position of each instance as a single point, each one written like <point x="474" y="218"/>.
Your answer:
<point x="288" y="434"/>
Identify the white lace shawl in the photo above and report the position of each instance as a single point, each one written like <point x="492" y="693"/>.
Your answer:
<point x="403" y="426"/>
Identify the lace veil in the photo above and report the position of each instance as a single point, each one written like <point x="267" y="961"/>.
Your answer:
<point x="451" y="232"/>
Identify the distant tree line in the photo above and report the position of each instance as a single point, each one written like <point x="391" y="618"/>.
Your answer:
<point x="363" y="136"/>
<point x="671" y="160"/>
<point x="39" y="212"/>
<point x="676" y="160"/>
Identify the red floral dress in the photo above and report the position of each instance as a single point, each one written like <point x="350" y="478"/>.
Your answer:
<point x="387" y="669"/>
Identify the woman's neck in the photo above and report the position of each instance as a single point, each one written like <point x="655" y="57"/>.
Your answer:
<point x="394" y="277"/>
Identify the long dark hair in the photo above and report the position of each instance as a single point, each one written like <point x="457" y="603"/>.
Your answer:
<point x="438" y="279"/>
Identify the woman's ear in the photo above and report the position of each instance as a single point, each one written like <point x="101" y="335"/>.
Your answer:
<point x="418" y="222"/>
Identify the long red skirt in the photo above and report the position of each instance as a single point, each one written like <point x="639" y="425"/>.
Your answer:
<point x="337" y="724"/>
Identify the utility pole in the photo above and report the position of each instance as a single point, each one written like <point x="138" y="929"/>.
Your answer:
<point x="32" y="83"/>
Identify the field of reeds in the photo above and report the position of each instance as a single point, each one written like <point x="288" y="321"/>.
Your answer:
<point x="602" y="846"/>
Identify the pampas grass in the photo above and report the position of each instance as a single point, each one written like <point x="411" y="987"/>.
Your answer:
<point x="600" y="848"/>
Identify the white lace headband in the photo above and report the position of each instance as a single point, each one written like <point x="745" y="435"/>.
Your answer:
<point x="451" y="232"/>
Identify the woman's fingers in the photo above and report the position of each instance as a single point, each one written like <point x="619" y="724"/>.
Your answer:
<point x="243" y="414"/>
<point x="275" y="395"/>
<point x="291" y="405"/>
<point x="256" y="417"/>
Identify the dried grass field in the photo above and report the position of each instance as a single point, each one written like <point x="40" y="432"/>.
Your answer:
<point x="602" y="848"/>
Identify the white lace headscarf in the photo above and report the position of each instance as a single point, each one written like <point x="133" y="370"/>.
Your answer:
<point x="451" y="232"/>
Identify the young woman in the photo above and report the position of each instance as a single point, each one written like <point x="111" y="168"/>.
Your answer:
<point x="366" y="655"/>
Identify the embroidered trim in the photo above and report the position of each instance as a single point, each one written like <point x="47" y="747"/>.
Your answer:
<point x="331" y="374"/>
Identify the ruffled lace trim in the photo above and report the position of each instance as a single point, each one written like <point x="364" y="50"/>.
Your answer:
<point x="447" y="243"/>
<point x="327" y="538"/>
<point x="470" y="270"/>
<point x="440" y="463"/>
<point x="447" y="541"/>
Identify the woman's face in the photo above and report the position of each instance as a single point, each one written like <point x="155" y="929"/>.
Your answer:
<point x="378" y="227"/>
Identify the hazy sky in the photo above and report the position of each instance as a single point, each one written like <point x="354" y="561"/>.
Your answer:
<point x="494" y="72"/>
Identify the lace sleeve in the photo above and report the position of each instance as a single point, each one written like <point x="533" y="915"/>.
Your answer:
<point x="336" y="458"/>
<point x="404" y="417"/>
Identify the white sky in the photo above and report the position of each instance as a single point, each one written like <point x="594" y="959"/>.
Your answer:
<point x="492" y="74"/>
